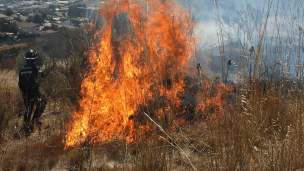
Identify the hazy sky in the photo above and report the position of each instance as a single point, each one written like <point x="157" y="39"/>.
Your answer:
<point x="204" y="11"/>
<point x="205" y="8"/>
<point x="248" y="14"/>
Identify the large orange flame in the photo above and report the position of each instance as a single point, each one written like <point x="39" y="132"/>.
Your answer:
<point x="128" y="69"/>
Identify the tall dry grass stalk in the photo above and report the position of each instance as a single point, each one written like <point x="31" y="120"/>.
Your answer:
<point x="265" y="124"/>
<point x="10" y="103"/>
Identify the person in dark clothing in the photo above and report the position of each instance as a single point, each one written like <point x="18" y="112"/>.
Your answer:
<point x="30" y="90"/>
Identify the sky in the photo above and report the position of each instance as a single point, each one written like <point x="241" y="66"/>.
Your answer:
<point x="285" y="18"/>
<point x="205" y="11"/>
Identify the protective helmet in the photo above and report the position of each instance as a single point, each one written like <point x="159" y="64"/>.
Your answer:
<point x="31" y="55"/>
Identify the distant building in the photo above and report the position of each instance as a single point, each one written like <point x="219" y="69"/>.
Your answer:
<point x="23" y="18"/>
<point x="66" y="24"/>
<point x="29" y="27"/>
<point x="47" y="24"/>
<point x="64" y="2"/>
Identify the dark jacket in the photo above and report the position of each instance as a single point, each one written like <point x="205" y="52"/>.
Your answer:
<point x="27" y="77"/>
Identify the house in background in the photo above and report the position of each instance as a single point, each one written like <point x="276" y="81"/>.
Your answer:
<point x="19" y="16"/>
<point x="29" y="27"/>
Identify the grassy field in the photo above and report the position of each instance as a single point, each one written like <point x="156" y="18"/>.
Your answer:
<point x="255" y="123"/>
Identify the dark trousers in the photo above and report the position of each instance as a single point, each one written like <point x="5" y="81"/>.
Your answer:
<point x="32" y="98"/>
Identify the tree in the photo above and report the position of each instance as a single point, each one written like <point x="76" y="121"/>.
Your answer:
<point x="13" y="28"/>
<point x="10" y="27"/>
<point x="24" y="13"/>
<point x="43" y="15"/>
<point x="3" y="36"/>
<point x="36" y="19"/>
<point x="8" y="12"/>
<point x="23" y="35"/>
<point x="54" y="27"/>
<point x="75" y="11"/>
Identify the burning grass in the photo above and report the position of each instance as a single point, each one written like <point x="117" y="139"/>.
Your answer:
<point x="141" y="107"/>
<point x="145" y="63"/>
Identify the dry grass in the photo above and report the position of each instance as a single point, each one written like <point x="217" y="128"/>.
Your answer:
<point x="261" y="130"/>
<point x="11" y="103"/>
<point x="8" y="54"/>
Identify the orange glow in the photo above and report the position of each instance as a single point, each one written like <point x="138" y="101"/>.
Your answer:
<point x="156" y="46"/>
<point x="213" y="98"/>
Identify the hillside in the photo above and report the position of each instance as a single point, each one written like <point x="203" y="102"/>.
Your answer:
<point x="130" y="95"/>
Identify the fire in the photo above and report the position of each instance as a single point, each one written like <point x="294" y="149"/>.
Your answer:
<point x="213" y="98"/>
<point x="148" y="60"/>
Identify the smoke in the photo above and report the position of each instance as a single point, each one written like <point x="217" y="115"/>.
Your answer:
<point x="215" y="16"/>
<point x="239" y="23"/>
